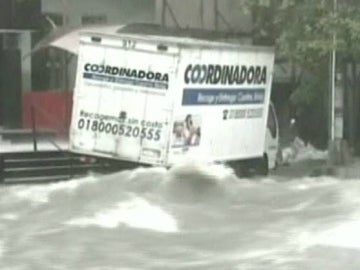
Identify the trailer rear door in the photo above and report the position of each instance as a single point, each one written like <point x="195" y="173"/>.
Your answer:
<point x="122" y="99"/>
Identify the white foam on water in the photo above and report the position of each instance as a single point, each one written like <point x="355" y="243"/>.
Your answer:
<point x="310" y="152"/>
<point x="143" y="171"/>
<point x="9" y="216"/>
<point x="259" y="253"/>
<point x="344" y="232"/>
<point x="40" y="194"/>
<point x="299" y="151"/>
<point x="307" y="183"/>
<point x="297" y="208"/>
<point x="135" y="213"/>
<point x="277" y="256"/>
<point x="2" y="249"/>
<point x="345" y="235"/>
<point x="219" y="171"/>
<point x="195" y="174"/>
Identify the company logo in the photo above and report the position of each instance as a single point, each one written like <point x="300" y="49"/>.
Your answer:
<point x="126" y="72"/>
<point x="126" y="76"/>
<point x="225" y="75"/>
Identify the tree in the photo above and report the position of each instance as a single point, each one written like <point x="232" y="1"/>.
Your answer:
<point x="302" y="32"/>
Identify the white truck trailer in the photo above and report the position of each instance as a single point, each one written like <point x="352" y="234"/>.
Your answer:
<point x="163" y="100"/>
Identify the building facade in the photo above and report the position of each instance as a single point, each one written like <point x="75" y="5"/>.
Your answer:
<point x="24" y="23"/>
<point x="54" y="70"/>
<point x="206" y="14"/>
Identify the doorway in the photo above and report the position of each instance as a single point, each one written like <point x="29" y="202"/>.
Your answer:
<point x="10" y="88"/>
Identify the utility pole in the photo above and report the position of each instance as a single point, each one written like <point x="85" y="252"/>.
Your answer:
<point x="163" y="12"/>
<point x="216" y="14"/>
<point x="339" y="153"/>
<point x="333" y="79"/>
<point x="202" y="13"/>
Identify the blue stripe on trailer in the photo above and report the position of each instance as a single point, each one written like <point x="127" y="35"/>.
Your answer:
<point x="222" y="96"/>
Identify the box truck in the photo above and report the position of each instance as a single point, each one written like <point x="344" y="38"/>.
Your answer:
<point x="162" y="100"/>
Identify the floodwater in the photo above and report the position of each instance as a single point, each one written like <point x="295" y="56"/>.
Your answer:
<point x="190" y="217"/>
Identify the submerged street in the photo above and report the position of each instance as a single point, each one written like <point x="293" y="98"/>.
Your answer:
<point x="190" y="217"/>
<point x="89" y="90"/>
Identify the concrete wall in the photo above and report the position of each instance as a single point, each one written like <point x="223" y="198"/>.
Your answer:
<point x="25" y="48"/>
<point x="116" y="11"/>
<point x="23" y="44"/>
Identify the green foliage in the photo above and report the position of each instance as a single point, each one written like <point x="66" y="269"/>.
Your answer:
<point x="307" y="92"/>
<point x="303" y="30"/>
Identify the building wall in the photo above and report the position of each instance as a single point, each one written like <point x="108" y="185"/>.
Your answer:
<point x="115" y="11"/>
<point x="25" y="48"/>
<point x="189" y="13"/>
<point x="72" y="14"/>
<point x="201" y="14"/>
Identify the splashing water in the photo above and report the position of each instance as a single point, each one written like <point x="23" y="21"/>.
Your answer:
<point x="136" y="213"/>
<point x="189" y="217"/>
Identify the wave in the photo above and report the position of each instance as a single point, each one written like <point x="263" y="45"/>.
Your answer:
<point x="199" y="211"/>
<point x="9" y="216"/>
<point x="198" y="183"/>
<point x="2" y="249"/>
<point x="137" y="198"/>
<point x="135" y="213"/>
<point x="39" y="194"/>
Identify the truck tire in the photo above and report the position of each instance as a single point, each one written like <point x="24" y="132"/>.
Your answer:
<point x="238" y="168"/>
<point x="262" y="166"/>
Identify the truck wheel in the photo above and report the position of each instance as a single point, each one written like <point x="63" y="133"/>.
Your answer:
<point x="263" y="166"/>
<point x="238" y="168"/>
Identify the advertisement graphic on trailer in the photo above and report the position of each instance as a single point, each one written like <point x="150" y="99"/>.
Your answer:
<point x="186" y="131"/>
